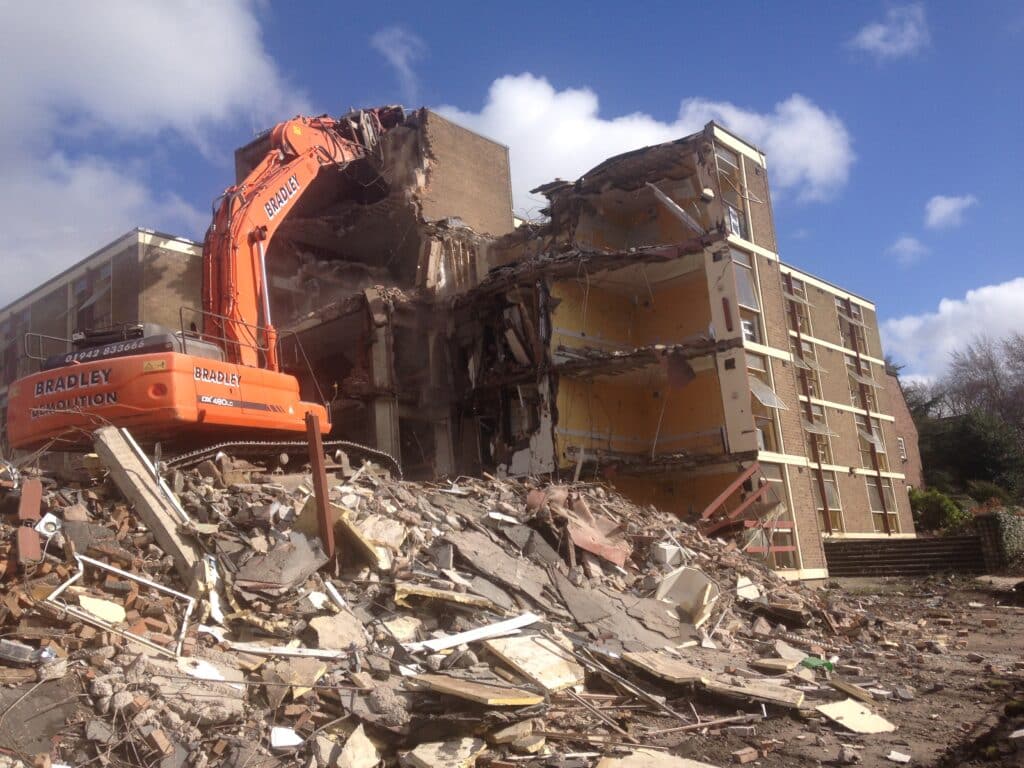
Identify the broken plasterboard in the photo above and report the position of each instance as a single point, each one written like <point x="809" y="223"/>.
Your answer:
<point x="666" y="667"/>
<point x="691" y="590"/>
<point x="539" y="660"/>
<point x="854" y="716"/>
<point x="651" y="758"/>
<point x="765" y="693"/>
<point x="491" y="694"/>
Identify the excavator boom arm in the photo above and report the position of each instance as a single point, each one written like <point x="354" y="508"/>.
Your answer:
<point x="236" y="300"/>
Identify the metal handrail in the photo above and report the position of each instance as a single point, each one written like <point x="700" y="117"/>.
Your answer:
<point x="202" y="333"/>
<point x="255" y="330"/>
<point x="42" y="336"/>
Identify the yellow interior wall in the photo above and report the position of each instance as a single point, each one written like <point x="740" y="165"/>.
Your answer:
<point x="598" y="313"/>
<point x="679" y="309"/>
<point x="629" y="411"/>
<point x="614" y="226"/>
<point x="697" y="407"/>
<point x="603" y="407"/>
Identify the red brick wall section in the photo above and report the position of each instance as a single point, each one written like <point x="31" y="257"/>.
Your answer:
<point x="773" y="306"/>
<point x="905" y="428"/>
<point x="468" y="177"/>
<point x="812" y="554"/>
<point x="760" y="212"/>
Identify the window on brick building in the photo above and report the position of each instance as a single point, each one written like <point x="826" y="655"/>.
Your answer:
<point x="806" y="361"/>
<point x="879" y="488"/>
<point x="871" y="436"/>
<point x="818" y="434"/>
<point x="902" y="446"/>
<point x="743" y="270"/>
<point x="835" y="508"/>
<point x="763" y="403"/>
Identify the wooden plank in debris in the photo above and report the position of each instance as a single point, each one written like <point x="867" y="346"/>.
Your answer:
<point x="651" y="758"/>
<point x="320" y="492"/>
<point x="767" y="694"/>
<point x="774" y="666"/>
<point x="497" y="629"/>
<point x="134" y="479"/>
<point x="29" y="510"/>
<point x="851" y="689"/>
<point x="666" y="667"/>
<point x="539" y="660"/>
<point x="490" y="694"/>
<point x="405" y="590"/>
<point x="855" y="717"/>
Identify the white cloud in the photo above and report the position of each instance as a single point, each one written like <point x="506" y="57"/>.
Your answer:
<point x="903" y="32"/>
<point x="118" y="74"/>
<point x="944" y="211"/>
<point x="925" y="341"/>
<point x="907" y="250"/>
<point x="401" y="48"/>
<point x="554" y="133"/>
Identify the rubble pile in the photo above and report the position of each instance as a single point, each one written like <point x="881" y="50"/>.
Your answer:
<point x="483" y="621"/>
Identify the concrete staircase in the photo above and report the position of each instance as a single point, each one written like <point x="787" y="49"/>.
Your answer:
<point x="904" y="557"/>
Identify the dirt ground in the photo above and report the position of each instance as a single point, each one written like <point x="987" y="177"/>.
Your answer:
<point x="963" y="709"/>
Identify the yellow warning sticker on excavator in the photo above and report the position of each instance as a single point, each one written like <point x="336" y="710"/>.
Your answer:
<point x="154" y="365"/>
<point x="297" y="130"/>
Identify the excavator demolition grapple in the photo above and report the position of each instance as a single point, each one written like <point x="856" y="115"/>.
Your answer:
<point x="216" y="382"/>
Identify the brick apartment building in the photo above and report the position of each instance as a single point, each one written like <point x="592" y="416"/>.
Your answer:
<point x="141" y="277"/>
<point x="647" y="333"/>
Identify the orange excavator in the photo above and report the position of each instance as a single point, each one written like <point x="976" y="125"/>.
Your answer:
<point x="186" y="387"/>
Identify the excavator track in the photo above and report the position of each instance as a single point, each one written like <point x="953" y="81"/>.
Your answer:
<point x="263" y="449"/>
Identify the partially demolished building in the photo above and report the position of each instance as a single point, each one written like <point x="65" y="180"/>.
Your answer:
<point x="645" y="332"/>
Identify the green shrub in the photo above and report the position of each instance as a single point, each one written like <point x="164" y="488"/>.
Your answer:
<point x="983" y="490"/>
<point x="935" y="511"/>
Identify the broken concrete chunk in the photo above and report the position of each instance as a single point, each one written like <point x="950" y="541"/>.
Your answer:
<point x="461" y="753"/>
<point x="405" y="629"/>
<point x="785" y="651"/>
<point x="133" y="476"/>
<point x="204" y="702"/>
<point x="383" y="531"/>
<point x="325" y="751"/>
<point x="510" y="733"/>
<point x="284" y="567"/>
<point x="99" y="732"/>
<point x="358" y="752"/>
<point x="340" y="630"/>
<point x="528" y="745"/>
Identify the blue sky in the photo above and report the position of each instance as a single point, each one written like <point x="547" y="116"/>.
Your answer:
<point x="893" y="130"/>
